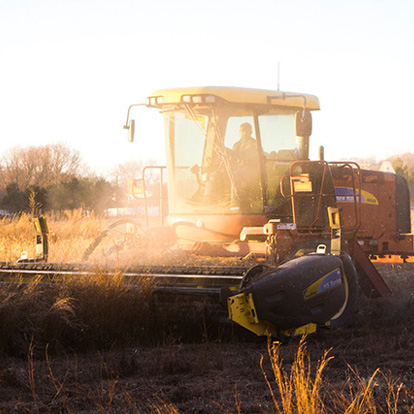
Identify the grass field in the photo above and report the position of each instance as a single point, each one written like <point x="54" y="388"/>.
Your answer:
<point x="70" y="234"/>
<point x="90" y="345"/>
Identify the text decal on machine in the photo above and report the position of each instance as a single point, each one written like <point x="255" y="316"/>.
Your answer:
<point x="348" y="195"/>
<point x="329" y="281"/>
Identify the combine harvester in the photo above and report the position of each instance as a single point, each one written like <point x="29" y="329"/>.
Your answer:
<point x="240" y="184"/>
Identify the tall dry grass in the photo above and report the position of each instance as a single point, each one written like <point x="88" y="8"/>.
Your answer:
<point x="90" y="313"/>
<point x="295" y="389"/>
<point x="98" y="312"/>
<point x="302" y="390"/>
<point x="70" y="234"/>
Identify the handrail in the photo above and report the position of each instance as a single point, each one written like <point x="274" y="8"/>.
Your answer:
<point x="161" y="202"/>
<point x="355" y="173"/>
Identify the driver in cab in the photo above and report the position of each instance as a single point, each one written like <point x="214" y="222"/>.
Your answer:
<point x="247" y="175"/>
<point x="246" y="145"/>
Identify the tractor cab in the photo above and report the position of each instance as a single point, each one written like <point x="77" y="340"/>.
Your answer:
<point x="240" y="181"/>
<point x="227" y="152"/>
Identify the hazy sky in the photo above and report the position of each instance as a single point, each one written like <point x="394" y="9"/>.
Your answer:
<point x="70" y="68"/>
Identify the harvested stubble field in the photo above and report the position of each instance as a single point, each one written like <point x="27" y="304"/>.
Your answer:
<point x="92" y="346"/>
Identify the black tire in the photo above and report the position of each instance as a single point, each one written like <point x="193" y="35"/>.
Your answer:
<point x="251" y="275"/>
<point x="345" y="315"/>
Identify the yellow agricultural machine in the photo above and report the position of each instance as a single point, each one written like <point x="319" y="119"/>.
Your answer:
<point x="240" y="184"/>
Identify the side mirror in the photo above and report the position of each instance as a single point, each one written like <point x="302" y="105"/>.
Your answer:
<point x="303" y="123"/>
<point x="131" y="130"/>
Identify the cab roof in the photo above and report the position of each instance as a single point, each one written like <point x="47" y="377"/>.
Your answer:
<point x="234" y="95"/>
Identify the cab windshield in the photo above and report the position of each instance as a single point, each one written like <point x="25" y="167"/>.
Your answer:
<point x="228" y="159"/>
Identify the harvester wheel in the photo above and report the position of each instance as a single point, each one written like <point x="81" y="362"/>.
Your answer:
<point x="251" y="274"/>
<point x="115" y="237"/>
<point x="345" y="315"/>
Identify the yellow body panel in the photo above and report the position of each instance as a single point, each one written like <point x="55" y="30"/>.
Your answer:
<point x="243" y="312"/>
<point x="240" y="95"/>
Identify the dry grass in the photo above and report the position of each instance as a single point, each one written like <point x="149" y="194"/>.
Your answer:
<point x="62" y="333"/>
<point x="96" y="312"/>
<point x="103" y="384"/>
<point x="88" y="312"/>
<point x="298" y="392"/>
<point x="70" y="233"/>
<point x="301" y="391"/>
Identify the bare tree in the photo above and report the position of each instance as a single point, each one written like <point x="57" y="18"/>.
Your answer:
<point x="40" y="166"/>
<point x="129" y="170"/>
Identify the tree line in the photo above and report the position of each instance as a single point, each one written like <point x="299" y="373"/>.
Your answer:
<point x="405" y="168"/>
<point x="404" y="165"/>
<point x="53" y="177"/>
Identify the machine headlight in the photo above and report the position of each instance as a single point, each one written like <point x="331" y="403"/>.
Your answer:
<point x="155" y="100"/>
<point x="198" y="99"/>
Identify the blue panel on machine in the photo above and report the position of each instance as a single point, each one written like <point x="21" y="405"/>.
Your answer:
<point x="323" y="284"/>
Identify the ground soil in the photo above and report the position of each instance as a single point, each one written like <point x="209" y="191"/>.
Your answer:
<point x="220" y="375"/>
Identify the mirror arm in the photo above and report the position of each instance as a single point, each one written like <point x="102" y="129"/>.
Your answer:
<point x="126" y="126"/>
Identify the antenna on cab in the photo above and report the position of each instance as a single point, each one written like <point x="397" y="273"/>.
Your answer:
<point x="278" y="76"/>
